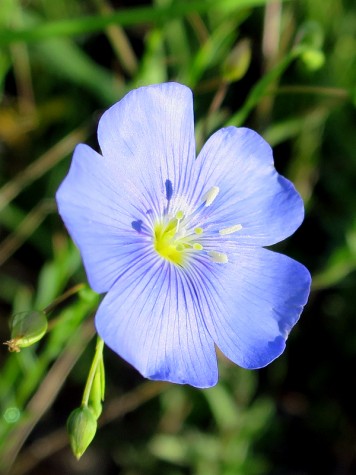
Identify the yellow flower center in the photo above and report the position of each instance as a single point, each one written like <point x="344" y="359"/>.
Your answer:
<point x="174" y="241"/>
<point x="171" y="242"/>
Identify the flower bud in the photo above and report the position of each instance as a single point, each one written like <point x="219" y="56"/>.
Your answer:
<point x="237" y="62"/>
<point x="313" y="59"/>
<point x="26" y="329"/>
<point x="81" y="427"/>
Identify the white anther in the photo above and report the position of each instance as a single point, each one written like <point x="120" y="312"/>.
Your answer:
<point x="230" y="230"/>
<point x="218" y="257"/>
<point x="210" y="196"/>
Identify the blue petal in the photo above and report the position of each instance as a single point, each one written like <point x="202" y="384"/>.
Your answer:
<point x="262" y="295"/>
<point x="106" y="202"/>
<point x="94" y="205"/>
<point x="151" y="133"/>
<point x="252" y="193"/>
<point x="151" y="317"/>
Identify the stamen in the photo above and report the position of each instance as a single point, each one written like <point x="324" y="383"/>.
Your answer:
<point x="197" y="246"/>
<point x="231" y="229"/>
<point x="169" y="189"/>
<point x="179" y="217"/>
<point x="198" y="230"/>
<point x="210" y="196"/>
<point x="218" y="257"/>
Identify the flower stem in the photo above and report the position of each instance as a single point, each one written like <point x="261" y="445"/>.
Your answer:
<point x="63" y="297"/>
<point x="96" y="361"/>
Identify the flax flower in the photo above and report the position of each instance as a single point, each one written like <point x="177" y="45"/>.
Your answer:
<point x="177" y="242"/>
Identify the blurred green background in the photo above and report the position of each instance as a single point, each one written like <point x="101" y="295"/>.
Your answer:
<point x="284" y="68"/>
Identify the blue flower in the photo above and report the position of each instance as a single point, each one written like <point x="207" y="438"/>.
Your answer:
<point x="177" y="241"/>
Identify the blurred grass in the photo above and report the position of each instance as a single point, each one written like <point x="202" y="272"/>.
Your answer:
<point x="286" y="69"/>
<point x="158" y="13"/>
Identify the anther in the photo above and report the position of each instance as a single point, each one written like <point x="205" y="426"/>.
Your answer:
<point x="230" y="230"/>
<point x="198" y="230"/>
<point x="218" y="257"/>
<point x="197" y="246"/>
<point x="210" y="196"/>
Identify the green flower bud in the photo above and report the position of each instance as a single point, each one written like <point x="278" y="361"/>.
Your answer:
<point x="313" y="59"/>
<point x="237" y="62"/>
<point x="26" y="329"/>
<point x="81" y="427"/>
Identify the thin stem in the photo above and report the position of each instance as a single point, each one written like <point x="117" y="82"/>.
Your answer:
<point x="119" y="41"/>
<point x="42" y="165"/>
<point x="61" y="298"/>
<point x="96" y="361"/>
<point x="325" y="91"/>
<point x="25" y="229"/>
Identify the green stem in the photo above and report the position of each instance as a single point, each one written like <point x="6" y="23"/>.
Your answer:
<point x="61" y="298"/>
<point x="96" y="361"/>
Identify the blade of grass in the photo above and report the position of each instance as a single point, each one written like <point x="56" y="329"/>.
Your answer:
<point x="261" y="89"/>
<point x="153" y="67"/>
<point x="213" y="51"/>
<point x="31" y="222"/>
<point x="119" y="41"/>
<point x="22" y="65"/>
<point x="179" y="50"/>
<point x="39" y="167"/>
<point x="12" y="217"/>
<point x="128" y="17"/>
<point x="68" y="61"/>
